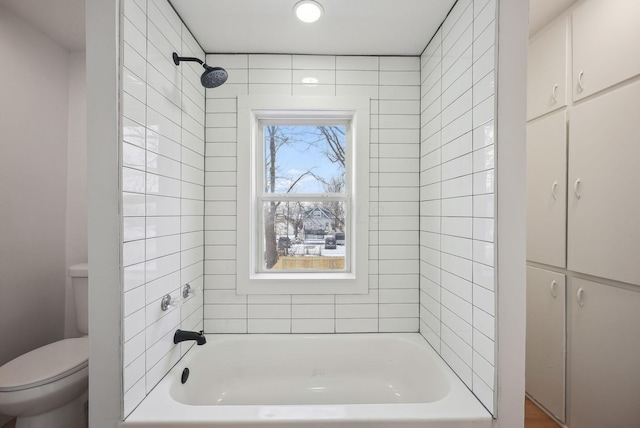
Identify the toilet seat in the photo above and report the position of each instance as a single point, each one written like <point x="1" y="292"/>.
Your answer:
<point x="45" y="365"/>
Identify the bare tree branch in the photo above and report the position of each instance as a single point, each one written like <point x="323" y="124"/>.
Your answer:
<point x="336" y="152"/>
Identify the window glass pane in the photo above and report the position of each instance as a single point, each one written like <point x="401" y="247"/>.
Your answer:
<point x="303" y="236"/>
<point x="304" y="159"/>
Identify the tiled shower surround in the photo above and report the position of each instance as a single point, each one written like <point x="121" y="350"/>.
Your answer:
<point x="431" y="213"/>
<point x="457" y="300"/>
<point x="393" y="85"/>
<point x="163" y="192"/>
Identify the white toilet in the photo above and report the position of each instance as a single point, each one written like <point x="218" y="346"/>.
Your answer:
<point x="47" y="387"/>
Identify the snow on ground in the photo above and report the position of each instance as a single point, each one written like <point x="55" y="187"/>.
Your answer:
<point x="315" y="250"/>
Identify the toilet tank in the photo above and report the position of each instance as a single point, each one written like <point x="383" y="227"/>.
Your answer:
<point x="80" y="281"/>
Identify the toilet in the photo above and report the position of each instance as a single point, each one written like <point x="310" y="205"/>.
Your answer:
<point x="47" y="387"/>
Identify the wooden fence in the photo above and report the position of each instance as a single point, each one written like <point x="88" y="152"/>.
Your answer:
<point x="310" y="263"/>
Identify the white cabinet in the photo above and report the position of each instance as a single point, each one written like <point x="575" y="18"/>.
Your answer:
<point x="606" y="36"/>
<point x="547" y="190"/>
<point x="604" y="185"/>
<point x="545" y="361"/>
<point x="583" y="209"/>
<point x="605" y="356"/>
<point x="547" y="70"/>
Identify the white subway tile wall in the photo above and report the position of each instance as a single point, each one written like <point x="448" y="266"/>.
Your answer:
<point x="431" y="218"/>
<point x="392" y="305"/>
<point x="163" y="192"/>
<point x="457" y="296"/>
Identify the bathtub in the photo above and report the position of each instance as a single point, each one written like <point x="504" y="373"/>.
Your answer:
<point x="333" y="380"/>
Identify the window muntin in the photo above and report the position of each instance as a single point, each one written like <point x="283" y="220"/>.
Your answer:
<point x="305" y="182"/>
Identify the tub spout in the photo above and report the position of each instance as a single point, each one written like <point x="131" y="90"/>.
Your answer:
<point x="183" y="335"/>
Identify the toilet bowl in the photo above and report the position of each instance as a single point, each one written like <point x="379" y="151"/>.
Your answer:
<point x="47" y="387"/>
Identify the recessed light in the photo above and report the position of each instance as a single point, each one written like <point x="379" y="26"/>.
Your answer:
<point x="310" y="81"/>
<point x="308" y="10"/>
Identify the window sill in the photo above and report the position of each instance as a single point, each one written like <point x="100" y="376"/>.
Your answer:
<point x="304" y="283"/>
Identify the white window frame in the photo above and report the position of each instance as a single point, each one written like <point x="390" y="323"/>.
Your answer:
<point x="305" y="118"/>
<point x="250" y="278"/>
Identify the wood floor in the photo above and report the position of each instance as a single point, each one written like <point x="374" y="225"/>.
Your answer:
<point x="536" y="418"/>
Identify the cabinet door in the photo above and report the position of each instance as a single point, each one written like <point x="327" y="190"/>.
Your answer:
<point x="604" y="184"/>
<point x="604" y="356"/>
<point x="606" y="36"/>
<point x="547" y="70"/>
<point x="545" y="362"/>
<point x="547" y="190"/>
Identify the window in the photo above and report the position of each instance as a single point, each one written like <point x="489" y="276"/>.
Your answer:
<point x="302" y="181"/>
<point x="303" y="190"/>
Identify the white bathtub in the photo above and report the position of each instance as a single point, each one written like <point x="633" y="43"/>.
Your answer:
<point x="334" y="380"/>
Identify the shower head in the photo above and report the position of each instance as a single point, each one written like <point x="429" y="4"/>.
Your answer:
<point x="212" y="77"/>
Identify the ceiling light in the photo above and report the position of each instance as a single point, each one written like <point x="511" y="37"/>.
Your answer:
<point x="310" y="81"/>
<point x="308" y="10"/>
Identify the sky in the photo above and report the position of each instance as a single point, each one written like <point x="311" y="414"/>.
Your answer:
<point x="298" y="156"/>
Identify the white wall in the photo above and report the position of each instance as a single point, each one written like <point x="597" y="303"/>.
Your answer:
<point x="43" y="158"/>
<point x="162" y="192"/>
<point x="472" y="203"/>
<point x="391" y="305"/>
<point x="76" y="224"/>
<point x="457" y="195"/>
<point x="511" y="95"/>
<point x="104" y="217"/>
<point x="33" y="181"/>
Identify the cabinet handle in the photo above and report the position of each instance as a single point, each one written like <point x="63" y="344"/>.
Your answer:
<point x="552" y="288"/>
<point x="554" y="187"/>
<point x="580" y="87"/>
<point x="576" y="189"/>
<point x="580" y="296"/>
<point x="554" y="93"/>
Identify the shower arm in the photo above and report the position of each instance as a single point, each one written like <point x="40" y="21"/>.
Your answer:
<point x="212" y="76"/>
<point x="177" y="59"/>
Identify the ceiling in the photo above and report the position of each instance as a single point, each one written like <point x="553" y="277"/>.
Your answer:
<point x="542" y="12"/>
<point x="60" y="20"/>
<point x="353" y="27"/>
<point x="363" y="27"/>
